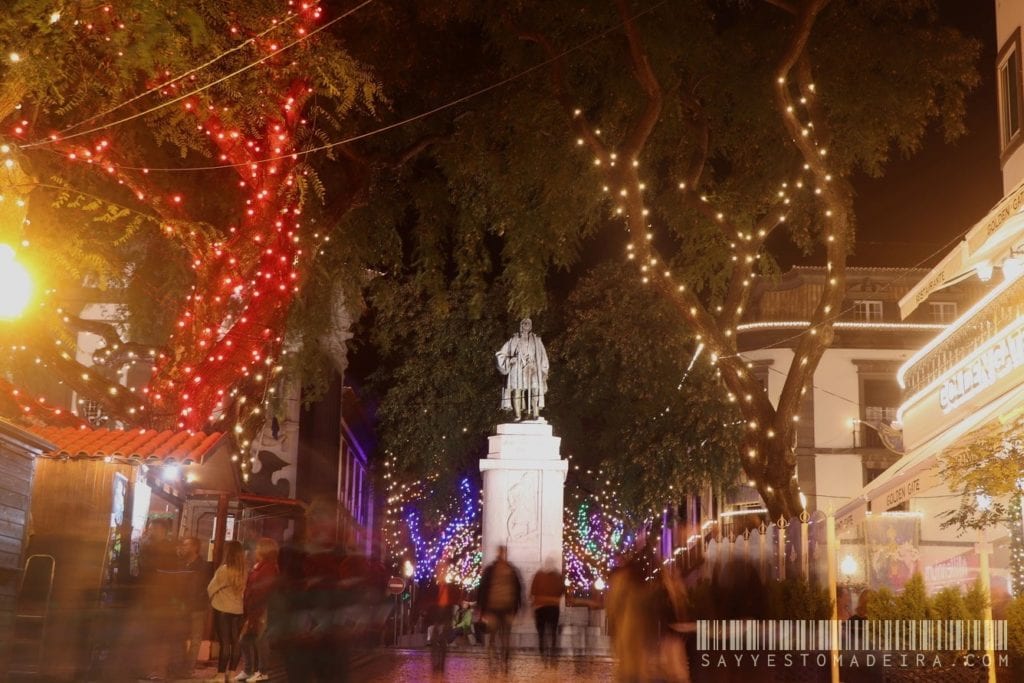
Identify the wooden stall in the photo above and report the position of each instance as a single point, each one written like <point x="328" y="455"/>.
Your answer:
<point x="18" y="449"/>
<point x="91" y="498"/>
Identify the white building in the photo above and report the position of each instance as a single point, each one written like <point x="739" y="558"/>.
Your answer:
<point x="854" y="393"/>
<point x="939" y="413"/>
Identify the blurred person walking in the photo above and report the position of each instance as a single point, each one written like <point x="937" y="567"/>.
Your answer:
<point x="442" y="617"/>
<point x="633" y="625"/>
<point x="194" y="577"/>
<point x="157" y="615"/>
<point x="501" y="596"/>
<point x="259" y="585"/>
<point x="226" y="592"/>
<point x="669" y="596"/>
<point x="546" y="592"/>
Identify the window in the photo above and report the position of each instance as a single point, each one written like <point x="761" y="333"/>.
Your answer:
<point x="879" y="398"/>
<point x="867" y="311"/>
<point x="942" y="311"/>
<point x="1010" y="103"/>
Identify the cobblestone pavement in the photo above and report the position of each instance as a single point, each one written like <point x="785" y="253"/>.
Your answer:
<point x="413" y="666"/>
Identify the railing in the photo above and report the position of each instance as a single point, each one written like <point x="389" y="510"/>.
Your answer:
<point x="1006" y="307"/>
<point x="873" y="417"/>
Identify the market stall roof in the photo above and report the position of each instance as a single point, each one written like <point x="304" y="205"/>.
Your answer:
<point x="206" y="456"/>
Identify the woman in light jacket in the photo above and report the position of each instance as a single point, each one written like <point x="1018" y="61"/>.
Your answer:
<point x="226" y="591"/>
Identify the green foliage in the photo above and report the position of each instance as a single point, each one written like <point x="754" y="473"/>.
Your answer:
<point x="745" y="596"/>
<point x="975" y="600"/>
<point x="987" y="473"/>
<point x="884" y="604"/>
<point x="949" y="603"/>
<point x="1015" y="625"/>
<point x="436" y="384"/>
<point x="913" y="603"/>
<point x="627" y="391"/>
<point x="514" y="168"/>
<point x="90" y="229"/>
<point x="798" y="599"/>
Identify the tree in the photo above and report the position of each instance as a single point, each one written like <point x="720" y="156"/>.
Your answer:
<point x="629" y="394"/>
<point x="626" y="392"/>
<point x="174" y="182"/>
<point x="709" y="131"/>
<point x="989" y="475"/>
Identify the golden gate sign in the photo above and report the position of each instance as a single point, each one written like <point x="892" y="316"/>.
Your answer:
<point x="995" y="359"/>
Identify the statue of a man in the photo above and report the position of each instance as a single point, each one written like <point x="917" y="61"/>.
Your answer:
<point x="524" y="361"/>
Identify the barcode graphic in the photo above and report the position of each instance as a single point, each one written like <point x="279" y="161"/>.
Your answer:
<point x="782" y="635"/>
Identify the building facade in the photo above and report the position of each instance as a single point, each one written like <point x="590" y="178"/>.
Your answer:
<point x="843" y="440"/>
<point x="967" y="382"/>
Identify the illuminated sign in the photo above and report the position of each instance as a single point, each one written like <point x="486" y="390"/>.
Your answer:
<point x="995" y="359"/>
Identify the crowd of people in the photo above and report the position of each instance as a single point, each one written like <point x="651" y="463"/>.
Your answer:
<point x="303" y="607"/>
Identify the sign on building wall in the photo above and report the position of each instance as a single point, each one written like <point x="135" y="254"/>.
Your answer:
<point x="893" y="552"/>
<point x="992" y="369"/>
<point x="996" y="359"/>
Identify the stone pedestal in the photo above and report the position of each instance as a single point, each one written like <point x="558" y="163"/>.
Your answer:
<point x="524" y="479"/>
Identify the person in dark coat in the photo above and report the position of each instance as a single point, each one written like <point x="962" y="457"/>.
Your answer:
<point x="501" y="596"/>
<point x="260" y="584"/>
<point x="194" y="577"/>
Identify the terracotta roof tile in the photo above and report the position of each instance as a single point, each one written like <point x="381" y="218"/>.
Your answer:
<point x="144" y="444"/>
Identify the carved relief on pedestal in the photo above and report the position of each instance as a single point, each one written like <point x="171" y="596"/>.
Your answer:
<point x="523" y="524"/>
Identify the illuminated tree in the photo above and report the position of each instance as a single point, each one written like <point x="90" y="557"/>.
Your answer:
<point x="989" y="475"/>
<point x="692" y="138"/>
<point x="158" y="155"/>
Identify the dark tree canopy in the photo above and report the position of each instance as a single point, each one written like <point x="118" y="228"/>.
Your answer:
<point x="693" y="139"/>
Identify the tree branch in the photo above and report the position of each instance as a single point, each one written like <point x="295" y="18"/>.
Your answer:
<point x="644" y="125"/>
<point x="122" y="352"/>
<point x="578" y="119"/>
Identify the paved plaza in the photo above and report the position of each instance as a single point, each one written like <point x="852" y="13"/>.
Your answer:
<point x="412" y="666"/>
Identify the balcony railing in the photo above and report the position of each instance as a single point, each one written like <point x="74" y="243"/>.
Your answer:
<point x="873" y="417"/>
<point x="993" y="316"/>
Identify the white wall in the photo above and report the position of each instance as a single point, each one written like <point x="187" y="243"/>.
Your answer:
<point x="838" y="477"/>
<point x="1009" y="16"/>
<point x="837" y="393"/>
<point x="836" y="388"/>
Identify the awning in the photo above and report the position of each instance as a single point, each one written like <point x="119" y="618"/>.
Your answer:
<point x="205" y="459"/>
<point x="990" y="239"/>
<point x="918" y="471"/>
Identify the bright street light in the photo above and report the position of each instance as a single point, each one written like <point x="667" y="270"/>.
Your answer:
<point x="848" y="566"/>
<point x="15" y="284"/>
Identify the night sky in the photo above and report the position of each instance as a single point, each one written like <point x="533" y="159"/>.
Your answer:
<point x="922" y="203"/>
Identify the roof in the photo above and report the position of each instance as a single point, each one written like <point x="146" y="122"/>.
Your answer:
<point x="862" y="270"/>
<point x="24" y="440"/>
<point x="991" y="240"/>
<point x="147" y="445"/>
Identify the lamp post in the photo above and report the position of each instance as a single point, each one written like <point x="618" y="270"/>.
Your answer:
<point x="984" y="550"/>
<point x="848" y="567"/>
<point x="409" y="572"/>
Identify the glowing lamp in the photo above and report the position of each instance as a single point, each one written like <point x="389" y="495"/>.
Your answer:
<point x="984" y="271"/>
<point x="1013" y="267"/>
<point x="407" y="569"/>
<point x="848" y="566"/>
<point x="171" y="473"/>
<point x="15" y="283"/>
<point x="599" y="584"/>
